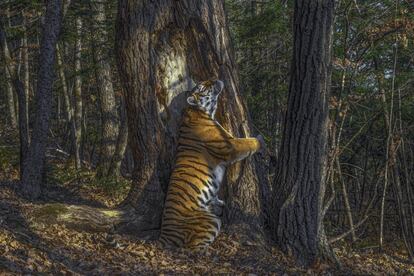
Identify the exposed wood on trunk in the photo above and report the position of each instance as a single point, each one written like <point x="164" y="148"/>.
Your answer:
<point x="163" y="49"/>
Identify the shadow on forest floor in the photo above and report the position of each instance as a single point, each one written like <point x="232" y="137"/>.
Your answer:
<point x="21" y="246"/>
<point x="55" y="249"/>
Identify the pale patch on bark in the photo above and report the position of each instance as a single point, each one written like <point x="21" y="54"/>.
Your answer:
<point x="173" y="78"/>
<point x="176" y="77"/>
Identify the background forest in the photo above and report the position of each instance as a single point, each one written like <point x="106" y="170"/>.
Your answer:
<point x="76" y="134"/>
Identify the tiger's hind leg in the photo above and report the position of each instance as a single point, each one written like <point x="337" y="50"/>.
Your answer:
<point x="206" y="228"/>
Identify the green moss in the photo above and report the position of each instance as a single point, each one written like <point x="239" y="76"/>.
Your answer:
<point x="50" y="211"/>
<point x="110" y="213"/>
<point x="112" y="186"/>
<point x="9" y="158"/>
<point x="367" y="242"/>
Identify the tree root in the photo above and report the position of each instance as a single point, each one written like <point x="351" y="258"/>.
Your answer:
<point x="91" y="219"/>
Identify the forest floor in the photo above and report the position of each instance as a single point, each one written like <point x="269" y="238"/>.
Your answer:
<point x="32" y="248"/>
<point x="55" y="249"/>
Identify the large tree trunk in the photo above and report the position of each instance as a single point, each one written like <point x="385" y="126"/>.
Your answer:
<point x="110" y="124"/>
<point x="164" y="48"/>
<point x="34" y="164"/>
<point x="299" y="185"/>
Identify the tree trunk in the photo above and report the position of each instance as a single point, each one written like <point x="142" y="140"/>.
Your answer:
<point x="23" y="123"/>
<point x="346" y="199"/>
<point x="121" y="144"/>
<point x="78" y="94"/>
<point x="11" y="71"/>
<point x="26" y="68"/>
<point x="66" y="98"/>
<point x="164" y="48"/>
<point x="394" y="146"/>
<point x="10" y="98"/>
<point x="34" y="164"/>
<point x="69" y="109"/>
<point x="299" y="185"/>
<point x="9" y="74"/>
<point x="406" y="197"/>
<point x="110" y="124"/>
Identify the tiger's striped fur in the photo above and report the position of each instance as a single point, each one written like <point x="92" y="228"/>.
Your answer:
<point x="204" y="149"/>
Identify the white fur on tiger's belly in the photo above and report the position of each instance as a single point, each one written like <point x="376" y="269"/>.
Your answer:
<point x="219" y="174"/>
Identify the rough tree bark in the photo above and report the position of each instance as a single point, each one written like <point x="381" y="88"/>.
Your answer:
<point x="68" y="104"/>
<point x="78" y="94"/>
<point x="23" y="122"/>
<point x="64" y="84"/>
<point x="10" y="99"/>
<point x="163" y="49"/>
<point x="26" y="68"/>
<point x="110" y="124"/>
<point x="34" y="164"/>
<point x="11" y="72"/>
<point x="9" y="78"/>
<point x="299" y="185"/>
<point x="121" y="144"/>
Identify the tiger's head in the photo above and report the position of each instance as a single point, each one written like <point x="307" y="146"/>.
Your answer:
<point x="205" y="94"/>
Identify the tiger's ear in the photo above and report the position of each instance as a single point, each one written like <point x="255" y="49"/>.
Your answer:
<point x="191" y="101"/>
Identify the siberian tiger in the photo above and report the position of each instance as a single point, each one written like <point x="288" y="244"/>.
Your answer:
<point x="190" y="219"/>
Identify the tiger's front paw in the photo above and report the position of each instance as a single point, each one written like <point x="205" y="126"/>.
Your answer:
<point x="262" y="142"/>
<point x="216" y="206"/>
<point x="218" y="202"/>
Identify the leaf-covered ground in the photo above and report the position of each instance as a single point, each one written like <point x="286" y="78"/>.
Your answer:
<point x="26" y="248"/>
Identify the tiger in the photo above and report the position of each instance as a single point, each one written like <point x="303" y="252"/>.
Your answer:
<point x="192" y="213"/>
